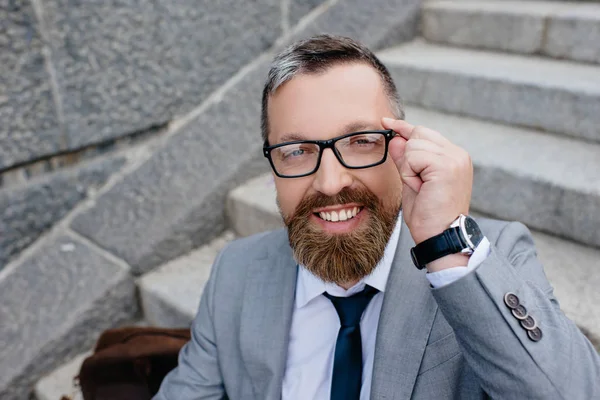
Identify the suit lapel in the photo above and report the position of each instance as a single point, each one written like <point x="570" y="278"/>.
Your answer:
<point x="406" y="319"/>
<point x="266" y="318"/>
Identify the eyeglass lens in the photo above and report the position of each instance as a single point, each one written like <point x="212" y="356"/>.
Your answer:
<point x="359" y="150"/>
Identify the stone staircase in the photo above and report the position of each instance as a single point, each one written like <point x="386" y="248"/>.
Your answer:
<point x="517" y="84"/>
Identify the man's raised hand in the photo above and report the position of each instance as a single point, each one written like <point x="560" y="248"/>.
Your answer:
<point x="437" y="177"/>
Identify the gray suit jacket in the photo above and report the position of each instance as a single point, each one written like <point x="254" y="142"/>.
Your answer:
<point x="457" y="342"/>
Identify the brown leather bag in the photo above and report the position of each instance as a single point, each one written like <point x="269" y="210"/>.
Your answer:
<point x="130" y="363"/>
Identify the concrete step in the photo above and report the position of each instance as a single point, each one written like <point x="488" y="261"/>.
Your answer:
<point x="552" y="95"/>
<point x="556" y="29"/>
<point x="251" y="207"/>
<point x="54" y="301"/>
<point x="573" y="269"/>
<point x="171" y="294"/>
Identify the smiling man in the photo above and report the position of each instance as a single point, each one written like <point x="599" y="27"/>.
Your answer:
<point x="381" y="286"/>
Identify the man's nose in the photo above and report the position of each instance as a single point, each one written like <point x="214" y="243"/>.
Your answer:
<point x="332" y="176"/>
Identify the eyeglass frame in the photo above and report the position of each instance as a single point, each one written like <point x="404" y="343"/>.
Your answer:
<point x="329" y="144"/>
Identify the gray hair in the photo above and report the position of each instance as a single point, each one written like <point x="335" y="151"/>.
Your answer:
<point x="316" y="55"/>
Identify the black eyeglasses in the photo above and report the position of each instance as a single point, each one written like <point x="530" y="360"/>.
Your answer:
<point x="355" y="151"/>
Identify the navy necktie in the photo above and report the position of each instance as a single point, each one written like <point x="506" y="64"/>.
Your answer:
<point x="347" y="363"/>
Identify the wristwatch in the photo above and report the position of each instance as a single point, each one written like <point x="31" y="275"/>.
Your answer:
<point x="463" y="236"/>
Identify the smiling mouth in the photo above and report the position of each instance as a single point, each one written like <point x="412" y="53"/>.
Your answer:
<point x="339" y="215"/>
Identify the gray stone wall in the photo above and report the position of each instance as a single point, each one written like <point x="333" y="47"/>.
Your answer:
<point x="29" y="124"/>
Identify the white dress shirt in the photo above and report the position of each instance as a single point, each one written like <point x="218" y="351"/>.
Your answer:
<point x="315" y="324"/>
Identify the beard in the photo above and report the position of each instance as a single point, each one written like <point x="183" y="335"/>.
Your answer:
<point x="346" y="257"/>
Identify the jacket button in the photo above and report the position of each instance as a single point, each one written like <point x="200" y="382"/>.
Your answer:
<point x="535" y="334"/>
<point x="511" y="300"/>
<point x="529" y="323"/>
<point x="520" y="312"/>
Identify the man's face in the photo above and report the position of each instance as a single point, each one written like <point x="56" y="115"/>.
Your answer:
<point x="344" y="99"/>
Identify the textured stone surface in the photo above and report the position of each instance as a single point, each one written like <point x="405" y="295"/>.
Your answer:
<point x="575" y="34"/>
<point x="53" y="304"/>
<point x="549" y="183"/>
<point x="504" y="25"/>
<point x="27" y="211"/>
<point x="557" y="96"/>
<point x="251" y="207"/>
<point x="299" y="8"/>
<point x="21" y="60"/>
<point x="175" y="201"/>
<point x="127" y="65"/>
<point x="29" y="126"/>
<point x="118" y="102"/>
<point x="559" y="29"/>
<point x="171" y="294"/>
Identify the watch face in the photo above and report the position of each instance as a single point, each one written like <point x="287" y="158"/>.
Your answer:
<point x="472" y="232"/>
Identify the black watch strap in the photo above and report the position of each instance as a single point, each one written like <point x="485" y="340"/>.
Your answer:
<point x="447" y="242"/>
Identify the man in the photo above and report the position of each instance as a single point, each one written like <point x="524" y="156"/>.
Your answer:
<point x="339" y="305"/>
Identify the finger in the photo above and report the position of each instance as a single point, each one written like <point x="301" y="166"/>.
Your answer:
<point x="410" y="178"/>
<point x="399" y="126"/>
<point x="420" y="161"/>
<point x="424" y="145"/>
<point x="413" y="165"/>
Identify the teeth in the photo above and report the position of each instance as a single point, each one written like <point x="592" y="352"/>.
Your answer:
<point x="342" y="215"/>
<point x="334" y="216"/>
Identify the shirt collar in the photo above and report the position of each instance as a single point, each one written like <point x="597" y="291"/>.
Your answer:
<point x="309" y="286"/>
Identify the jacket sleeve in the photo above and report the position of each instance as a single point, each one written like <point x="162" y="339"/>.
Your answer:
<point x="561" y="364"/>
<point x="197" y="375"/>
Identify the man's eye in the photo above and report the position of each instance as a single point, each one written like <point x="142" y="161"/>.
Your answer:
<point x="362" y="140"/>
<point x="293" y="153"/>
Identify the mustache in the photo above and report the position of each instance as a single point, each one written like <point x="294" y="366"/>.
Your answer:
<point x="361" y="196"/>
